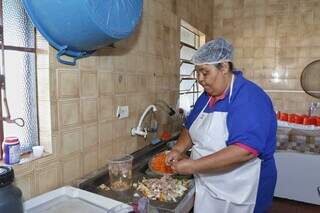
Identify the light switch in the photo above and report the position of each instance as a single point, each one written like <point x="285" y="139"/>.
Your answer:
<point x="122" y="112"/>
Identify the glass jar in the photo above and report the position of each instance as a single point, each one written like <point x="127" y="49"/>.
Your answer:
<point x="120" y="172"/>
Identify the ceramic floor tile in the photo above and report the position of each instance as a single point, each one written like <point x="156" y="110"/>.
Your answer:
<point x="283" y="205"/>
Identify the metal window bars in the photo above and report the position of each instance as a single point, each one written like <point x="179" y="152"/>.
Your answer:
<point x="194" y="86"/>
<point x="3" y="95"/>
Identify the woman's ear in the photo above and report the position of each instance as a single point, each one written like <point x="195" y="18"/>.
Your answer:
<point x="225" y="67"/>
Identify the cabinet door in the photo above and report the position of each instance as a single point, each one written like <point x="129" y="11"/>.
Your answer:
<point x="298" y="177"/>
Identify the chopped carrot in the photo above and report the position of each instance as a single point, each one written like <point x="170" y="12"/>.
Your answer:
<point x="158" y="164"/>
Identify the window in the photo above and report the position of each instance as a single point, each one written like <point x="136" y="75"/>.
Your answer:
<point x="18" y="39"/>
<point x="190" y="89"/>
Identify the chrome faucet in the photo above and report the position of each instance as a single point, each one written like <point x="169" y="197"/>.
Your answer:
<point x="313" y="108"/>
<point x="139" y="130"/>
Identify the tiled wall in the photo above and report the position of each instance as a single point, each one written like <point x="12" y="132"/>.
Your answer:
<point x="301" y="141"/>
<point x="274" y="41"/>
<point x="77" y="104"/>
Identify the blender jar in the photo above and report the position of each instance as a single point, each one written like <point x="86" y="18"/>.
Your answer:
<point x="120" y="172"/>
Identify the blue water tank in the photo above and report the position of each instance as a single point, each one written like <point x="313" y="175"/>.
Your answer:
<point x="78" y="27"/>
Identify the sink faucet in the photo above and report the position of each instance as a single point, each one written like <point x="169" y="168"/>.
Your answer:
<point x="313" y="108"/>
<point x="139" y="130"/>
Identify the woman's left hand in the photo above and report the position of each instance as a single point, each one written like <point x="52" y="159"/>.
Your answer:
<point x="184" y="166"/>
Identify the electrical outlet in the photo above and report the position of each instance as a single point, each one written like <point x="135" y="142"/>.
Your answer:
<point x="122" y="112"/>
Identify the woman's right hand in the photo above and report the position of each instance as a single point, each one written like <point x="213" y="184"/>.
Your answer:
<point x="172" y="156"/>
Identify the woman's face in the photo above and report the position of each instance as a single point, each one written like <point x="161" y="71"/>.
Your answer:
<point x="213" y="80"/>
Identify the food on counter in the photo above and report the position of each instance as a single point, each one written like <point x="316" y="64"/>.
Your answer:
<point x="166" y="188"/>
<point x="158" y="164"/>
<point x="118" y="185"/>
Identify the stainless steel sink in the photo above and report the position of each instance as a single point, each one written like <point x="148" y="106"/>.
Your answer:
<point x="140" y="170"/>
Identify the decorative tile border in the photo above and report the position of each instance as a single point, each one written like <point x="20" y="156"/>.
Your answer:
<point x="298" y="141"/>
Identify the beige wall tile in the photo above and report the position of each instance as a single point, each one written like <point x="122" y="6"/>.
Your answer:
<point x="90" y="135"/>
<point x="105" y="153"/>
<point x="105" y="133"/>
<point x="24" y="168"/>
<point x="44" y="109"/>
<point x="132" y="103"/>
<point x="105" y="60"/>
<point x="90" y="160"/>
<point x="53" y="85"/>
<point x="279" y="38"/>
<point x="105" y="83"/>
<point x="132" y="83"/>
<point x="119" y="146"/>
<point x="89" y="63"/>
<point x="54" y="116"/>
<point x="71" y="141"/>
<point x="69" y="113"/>
<point x="119" y="59"/>
<point x="46" y="141"/>
<point x="71" y="169"/>
<point x="131" y="145"/>
<point x="47" y="178"/>
<point x="25" y="182"/>
<point x="105" y="108"/>
<point x="68" y="83"/>
<point x="89" y="110"/>
<point x="89" y="86"/>
<point x="44" y="90"/>
<point x="120" y="83"/>
<point x="119" y="128"/>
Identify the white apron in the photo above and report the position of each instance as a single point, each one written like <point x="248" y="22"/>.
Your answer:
<point x="231" y="192"/>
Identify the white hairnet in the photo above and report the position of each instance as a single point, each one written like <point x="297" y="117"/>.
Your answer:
<point x="213" y="52"/>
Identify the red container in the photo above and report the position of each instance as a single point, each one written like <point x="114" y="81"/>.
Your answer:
<point x="298" y="119"/>
<point x="283" y="116"/>
<point x="306" y="121"/>
<point x="291" y="118"/>
<point x="318" y="121"/>
<point x="313" y="120"/>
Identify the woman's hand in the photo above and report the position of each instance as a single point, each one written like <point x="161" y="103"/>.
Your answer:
<point x="184" y="166"/>
<point x="172" y="156"/>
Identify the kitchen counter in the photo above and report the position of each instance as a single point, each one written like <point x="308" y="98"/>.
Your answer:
<point x="140" y="170"/>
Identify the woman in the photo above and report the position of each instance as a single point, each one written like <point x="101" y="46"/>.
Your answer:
<point x="232" y="133"/>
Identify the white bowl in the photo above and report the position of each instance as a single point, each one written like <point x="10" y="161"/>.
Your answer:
<point x="37" y="151"/>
